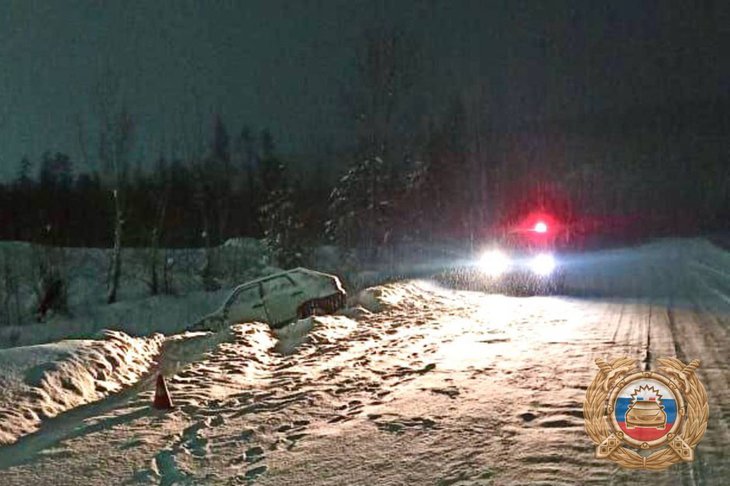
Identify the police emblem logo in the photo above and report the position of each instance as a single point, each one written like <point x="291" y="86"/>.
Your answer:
<point x="646" y="419"/>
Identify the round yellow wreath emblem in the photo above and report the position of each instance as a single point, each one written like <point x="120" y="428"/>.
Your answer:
<point x="678" y="445"/>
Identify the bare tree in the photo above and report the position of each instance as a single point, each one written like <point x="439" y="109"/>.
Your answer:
<point x="116" y="139"/>
<point x="82" y="140"/>
<point x="161" y="190"/>
<point x="9" y="292"/>
<point x="193" y="147"/>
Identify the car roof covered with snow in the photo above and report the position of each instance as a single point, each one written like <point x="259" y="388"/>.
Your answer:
<point x="317" y="284"/>
<point x="299" y="275"/>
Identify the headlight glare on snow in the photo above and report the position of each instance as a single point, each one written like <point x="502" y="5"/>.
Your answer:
<point x="543" y="264"/>
<point x="494" y="263"/>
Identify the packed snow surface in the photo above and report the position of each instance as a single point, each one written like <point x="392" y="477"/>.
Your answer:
<point x="413" y="384"/>
<point x="39" y="382"/>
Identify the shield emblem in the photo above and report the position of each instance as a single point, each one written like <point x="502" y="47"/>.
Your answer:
<point x="646" y="419"/>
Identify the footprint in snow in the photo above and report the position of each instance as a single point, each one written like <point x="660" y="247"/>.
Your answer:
<point x="166" y="468"/>
<point x="253" y="473"/>
<point x="254" y="454"/>
<point x="450" y="391"/>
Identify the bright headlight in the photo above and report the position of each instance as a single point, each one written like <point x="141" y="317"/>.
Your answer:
<point x="494" y="263"/>
<point x="543" y="264"/>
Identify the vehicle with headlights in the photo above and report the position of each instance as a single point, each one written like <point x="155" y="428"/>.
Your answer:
<point x="519" y="272"/>
<point x="524" y="260"/>
<point x="521" y="261"/>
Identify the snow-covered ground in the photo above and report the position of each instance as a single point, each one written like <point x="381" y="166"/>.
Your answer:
<point x="414" y="384"/>
<point x="676" y="269"/>
<point x="136" y="312"/>
<point x="39" y="382"/>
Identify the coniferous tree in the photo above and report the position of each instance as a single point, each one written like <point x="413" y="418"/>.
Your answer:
<point x="279" y="217"/>
<point x="21" y="206"/>
<point x="23" y="179"/>
<point x="249" y="166"/>
<point x="220" y="141"/>
<point x="360" y="208"/>
<point x="267" y="144"/>
<point x="220" y="175"/>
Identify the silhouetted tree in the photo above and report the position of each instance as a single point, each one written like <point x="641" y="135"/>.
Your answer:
<point x="360" y="207"/>
<point x="23" y="179"/>
<point x="160" y="187"/>
<point x="279" y="217"/>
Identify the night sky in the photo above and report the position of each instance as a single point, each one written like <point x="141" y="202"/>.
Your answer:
<point x="281" y="64"/>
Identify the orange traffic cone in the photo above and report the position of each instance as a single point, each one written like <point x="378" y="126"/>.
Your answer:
<point x="162" y="399"/>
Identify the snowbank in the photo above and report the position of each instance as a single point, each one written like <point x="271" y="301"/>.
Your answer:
<point x="392" y="295"/>
<point x="39" y="382"/>
<point x="668" y="269"/>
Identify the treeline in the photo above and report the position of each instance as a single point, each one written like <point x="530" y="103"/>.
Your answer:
<point x="230" y="187"/>
<point x="458" y="182"/>
<point x="182" y="203"/>
<point x="451" y="169"/>
<point x="456" y="178"/>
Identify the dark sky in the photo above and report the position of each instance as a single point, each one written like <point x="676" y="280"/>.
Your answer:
<point x="281" y="63"/>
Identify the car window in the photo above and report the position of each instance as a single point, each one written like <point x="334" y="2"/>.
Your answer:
<point x="246" y="295"/>
<point x="276" y="285"/>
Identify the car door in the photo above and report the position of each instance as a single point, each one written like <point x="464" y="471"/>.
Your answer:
<point x="246" y="305"/>
<point x="282" y="296"/>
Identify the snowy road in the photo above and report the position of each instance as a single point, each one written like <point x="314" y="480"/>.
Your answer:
<point x="440" y="387"/>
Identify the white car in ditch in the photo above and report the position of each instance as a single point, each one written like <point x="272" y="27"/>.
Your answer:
<point x="277" y="300"/>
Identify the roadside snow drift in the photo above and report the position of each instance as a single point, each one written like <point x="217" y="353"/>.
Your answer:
<point x="391" y="296"/>
<point x="39" y="382"/>
<point x="668" y="268"/>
